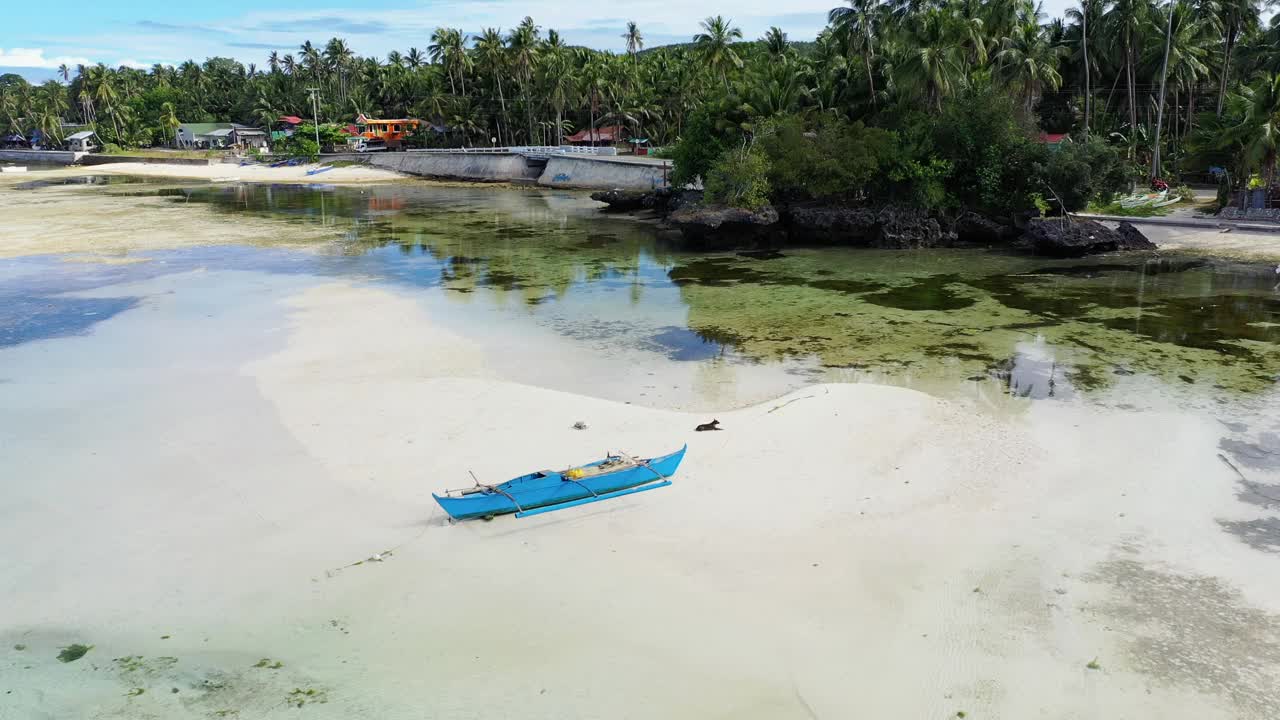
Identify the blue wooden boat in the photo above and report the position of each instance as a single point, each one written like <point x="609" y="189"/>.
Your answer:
<point x="549" y="490"/>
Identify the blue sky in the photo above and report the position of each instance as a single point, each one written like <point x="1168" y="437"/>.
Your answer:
<point x="131" y="32"/>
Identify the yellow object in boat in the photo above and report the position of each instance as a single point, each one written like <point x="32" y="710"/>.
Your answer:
<point x="574" y="473"/>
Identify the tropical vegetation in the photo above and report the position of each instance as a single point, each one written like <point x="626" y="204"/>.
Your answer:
<point x="889" y="73"/>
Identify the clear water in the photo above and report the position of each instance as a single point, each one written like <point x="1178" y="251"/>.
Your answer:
<point x="549" y="260"/>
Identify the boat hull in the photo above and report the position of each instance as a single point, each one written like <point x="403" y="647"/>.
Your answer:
<point x="539" y="490"/>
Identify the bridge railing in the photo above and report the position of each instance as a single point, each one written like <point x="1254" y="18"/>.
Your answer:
<point x="524" y="150"/>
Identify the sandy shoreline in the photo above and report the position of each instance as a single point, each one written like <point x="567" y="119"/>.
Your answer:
<point x="844" y="550"/>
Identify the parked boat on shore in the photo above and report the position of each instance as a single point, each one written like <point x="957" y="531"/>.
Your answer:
<point x="548" y="490"/>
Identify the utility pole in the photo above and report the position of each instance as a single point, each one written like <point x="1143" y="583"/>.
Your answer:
<point x="1164" y="73"/>
<point x="315" y="113"/>
<point x="1084" y="17"/>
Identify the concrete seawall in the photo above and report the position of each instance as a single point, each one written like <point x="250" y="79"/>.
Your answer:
<point x="602" y="174"/>
<point x="566" y="171"/>
<point x="460" y="166"/>
<point x="51" y="157"/>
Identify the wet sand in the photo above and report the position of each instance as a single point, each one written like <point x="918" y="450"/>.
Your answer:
<point x="204" y="486"/>
<point x="225" y="491"/>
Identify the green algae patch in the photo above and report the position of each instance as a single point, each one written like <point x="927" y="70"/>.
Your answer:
<point x="73" y="652"/>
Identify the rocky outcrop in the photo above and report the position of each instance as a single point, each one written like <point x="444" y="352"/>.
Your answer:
<point x="668" y="200"/>
<point x="886" y="227"/>
<point x="621" y="200"/>
<point x="1073" y="238"/>
<point x="974" y="229"/>
<point x="908" y="228"/>
<point x="709" y="227"/>
<point x="1133" y="237"/>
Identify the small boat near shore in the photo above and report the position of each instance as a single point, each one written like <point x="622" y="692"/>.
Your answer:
<point x="15" y="169"/>
<point x="548" y="490"/>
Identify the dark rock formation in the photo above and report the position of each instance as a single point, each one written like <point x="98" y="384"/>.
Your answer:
<point x="621" y="200"/>
<point x="1073" y="238"/>
<point x="668" y="200"/>
<point x="725" y="228"/>
<point x="1133" y="237"/>
<point x="908" y="228"/>
<point x="886" y="227"/>
<point x="972" y="228"/>
<point x="830" y="224"/>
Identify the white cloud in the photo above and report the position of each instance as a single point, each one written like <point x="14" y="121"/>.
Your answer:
<point x="128" y="62"/>
<point x="34" y="58"/>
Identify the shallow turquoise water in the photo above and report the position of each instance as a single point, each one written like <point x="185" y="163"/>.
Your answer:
<point x="1032" y="326"/>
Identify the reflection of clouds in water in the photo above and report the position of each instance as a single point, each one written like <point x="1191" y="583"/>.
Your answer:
<point x="1033" y="372"/>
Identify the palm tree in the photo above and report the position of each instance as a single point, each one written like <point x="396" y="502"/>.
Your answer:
<point x="289" y="64"/>
<point x="523" y="41"/>
<point x="273" y="61"/>
<point x="928" y="58"/>
<point x="1237" y="16"/>
<point x="491" y="51"/>
<point x="715" y="43"/>
<point x="1029" y="60"/>
<point x="1125" y="25"/>
<point x="169" y="120"/>
<point x="857" y="25"/>
<point x="1260" y="129"/>
<point x="1081" y="16"/>
<point x="106" y="92"/>
<point x="65" y="72"/>
<point x="775" y="42"/>
<point x="635" y="41"/>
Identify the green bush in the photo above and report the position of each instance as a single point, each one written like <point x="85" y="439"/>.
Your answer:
<point x="303" y="147"/>
<point x="832" y="158"/>
<point x="990" y="149"/>
<point x="739" y="178"/>
<point x="1079" y="173"/>
<point x="700" y="144"/>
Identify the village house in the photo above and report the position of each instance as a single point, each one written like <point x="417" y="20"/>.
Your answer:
<point x="220" y="135"/>
<point x="607" y="135"/>
<point x="83" y="141"/>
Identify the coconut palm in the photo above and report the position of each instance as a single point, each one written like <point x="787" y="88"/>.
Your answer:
<point x="715" y="43"/>
<point x="927" y="58"/>
<point x="1125" y="24"/>
<point x="523" y="44"/>
<point x="635" y="41"/>
<point x="1260" y="130"/>
<point x="169" y="120"/>
<point x="1029" y="61"/>
<point x="857" y="26"/>
<point x="775" y="43"/>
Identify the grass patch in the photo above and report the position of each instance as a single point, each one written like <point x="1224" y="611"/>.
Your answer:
<point x="19" y="647"/>
<point x="269" y="663"/>
<point x="1140" y="211"/>
<point x="1093" y="664"/>
<point x="134" y="692"/>
<point x="155" y="153"/>
<point x="73" y="652"/>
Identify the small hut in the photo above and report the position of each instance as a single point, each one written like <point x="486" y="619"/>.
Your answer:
<point x="83" y="141"/>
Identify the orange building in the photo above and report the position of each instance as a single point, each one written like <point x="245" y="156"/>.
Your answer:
<point x="392" y="132"/>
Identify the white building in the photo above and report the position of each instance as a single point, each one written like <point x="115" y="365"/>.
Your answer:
<point x="83" y="141"/>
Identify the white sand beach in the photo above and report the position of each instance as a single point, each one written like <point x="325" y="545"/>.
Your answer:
<point x="230" y="172"/>
<point x="205" y="513"/>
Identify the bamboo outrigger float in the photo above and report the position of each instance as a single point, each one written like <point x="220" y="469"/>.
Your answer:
<point x="550" y="490"/>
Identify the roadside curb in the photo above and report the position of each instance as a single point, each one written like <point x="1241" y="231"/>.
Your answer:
<point x="1204" y="224"/>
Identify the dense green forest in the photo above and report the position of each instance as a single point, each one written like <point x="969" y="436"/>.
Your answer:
<point x="1100" y="73"/>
